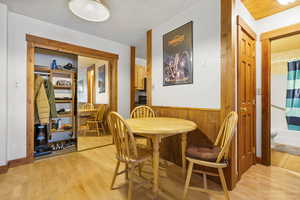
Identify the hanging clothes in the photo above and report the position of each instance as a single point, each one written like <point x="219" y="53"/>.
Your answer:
<point x="293" y="96"/>
<point x="51" y="98"/>
<point x="42" y="112"/>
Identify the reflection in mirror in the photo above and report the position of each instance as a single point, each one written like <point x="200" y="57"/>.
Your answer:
<point x="140" y="77"/>
<point x="93" y="103"/>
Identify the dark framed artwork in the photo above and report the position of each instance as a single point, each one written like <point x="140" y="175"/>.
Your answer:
<point x="101" y="79"/>
<point x="178" y="56"/>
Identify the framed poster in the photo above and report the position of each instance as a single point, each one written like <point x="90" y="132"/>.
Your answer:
<point x="101" y="79"/>
<point x="178" y="56"/>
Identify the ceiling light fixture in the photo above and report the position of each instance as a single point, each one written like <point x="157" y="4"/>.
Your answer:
<point x="90" y="10"/>
<point x="286" y="2"/>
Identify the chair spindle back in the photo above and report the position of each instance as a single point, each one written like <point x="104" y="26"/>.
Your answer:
<point x="123" y="137"/>
<point x="100" y="112"/>
<point x="226" y="134"/>
<point x="142" y="112"/>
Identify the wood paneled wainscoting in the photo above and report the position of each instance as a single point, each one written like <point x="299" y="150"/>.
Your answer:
<point x="208" y="121"/>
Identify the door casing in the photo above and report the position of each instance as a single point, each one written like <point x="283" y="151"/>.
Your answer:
<point x="266" y="39"/>
<point x="35" y="41"/>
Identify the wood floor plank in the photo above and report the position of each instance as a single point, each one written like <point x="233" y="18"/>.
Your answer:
<point x="87" y="176"/>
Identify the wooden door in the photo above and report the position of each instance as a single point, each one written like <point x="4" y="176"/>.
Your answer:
<point x="246" y="100"/>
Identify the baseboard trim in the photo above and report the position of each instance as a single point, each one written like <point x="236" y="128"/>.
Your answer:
<point x="3" y="169"/>
<point x="18" y="162"/>
<point x="258" y="160"/>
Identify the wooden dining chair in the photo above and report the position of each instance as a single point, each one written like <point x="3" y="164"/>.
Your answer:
<point x="213" y="157"/>
<point x="143" y="112"/>
<point x="127" y="150"/>
<point x="98" y="121"/>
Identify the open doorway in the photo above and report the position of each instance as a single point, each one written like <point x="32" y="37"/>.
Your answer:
<point x="271" y="105"/>
<point x="285" y="102"/>
<point x="140" y="78"/>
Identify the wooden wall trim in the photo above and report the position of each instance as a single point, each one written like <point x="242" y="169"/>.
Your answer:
<point x="3" y="169"/>
<point x="149" y="68"/>
<point x="113" y="97"/>
<point x="15" y="163"/>
<point x="258" y="160"/>
<point x="281" y="32"/>
<point x="187" y="108"/>
<point x="18" y="162"/>
<point x="132" y="77"/>
<point x="30" y="101"/>
<point x="69" y="48"/>
<point x="246" y="27"/>
<point x="208" y="122"/>
<point x="266" y="101"/>
<point x="228" y="77"/>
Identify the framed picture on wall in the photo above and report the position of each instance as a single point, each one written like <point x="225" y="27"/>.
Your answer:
<point x="101" y="79"/>
<point x="178" y="56"/>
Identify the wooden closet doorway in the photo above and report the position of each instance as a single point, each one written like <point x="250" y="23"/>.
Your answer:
<point x="246" y="97"/>
<point x="34" y="42"/>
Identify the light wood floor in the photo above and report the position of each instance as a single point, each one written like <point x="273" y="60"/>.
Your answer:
<point x="89" y="142"/>
<point x="87" y="175"/>
<point x="286" y="161"/>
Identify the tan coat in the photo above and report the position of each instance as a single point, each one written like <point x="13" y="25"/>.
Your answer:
<point x="41" y="101"/>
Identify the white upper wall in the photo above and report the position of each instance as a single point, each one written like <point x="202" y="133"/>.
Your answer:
<point x="3" y="84"/>
<point x="18" y="27"/>
<point x="279" y="20"/>
<point x="206" y="70"/>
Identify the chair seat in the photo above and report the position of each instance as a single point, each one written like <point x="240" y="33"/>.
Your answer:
<point x="144" y="153"/>
<point x="207" y="153"/>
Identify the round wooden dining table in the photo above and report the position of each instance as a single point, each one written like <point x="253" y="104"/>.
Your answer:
<point x="158" y="128"/>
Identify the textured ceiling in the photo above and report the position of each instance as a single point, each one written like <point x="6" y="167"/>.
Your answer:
<point x="129" y="21"/>
<point x="263" y="8"/>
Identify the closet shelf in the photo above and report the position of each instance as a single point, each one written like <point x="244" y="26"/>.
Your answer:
<point x="62" y="131"/>
<point x="62" y="87"/>
<point x="63" y="101"/>
<point x="57" y="71"/>
<point x="40" y="68"/>
<point x="56" y="141"/>
<point x="64" y="116"/>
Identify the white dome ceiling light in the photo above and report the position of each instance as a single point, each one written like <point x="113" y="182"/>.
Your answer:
<point x="90" y="10"/>
<point x="286" y="2"/>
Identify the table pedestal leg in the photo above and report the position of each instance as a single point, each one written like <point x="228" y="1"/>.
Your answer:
<point x="183" y="151"/>
<point x="155" y="143"/>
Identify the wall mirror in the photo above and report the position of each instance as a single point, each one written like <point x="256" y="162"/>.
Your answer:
<point x="93" y="103"/>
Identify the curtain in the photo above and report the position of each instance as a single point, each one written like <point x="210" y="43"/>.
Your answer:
<point x="293" y="96"/>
